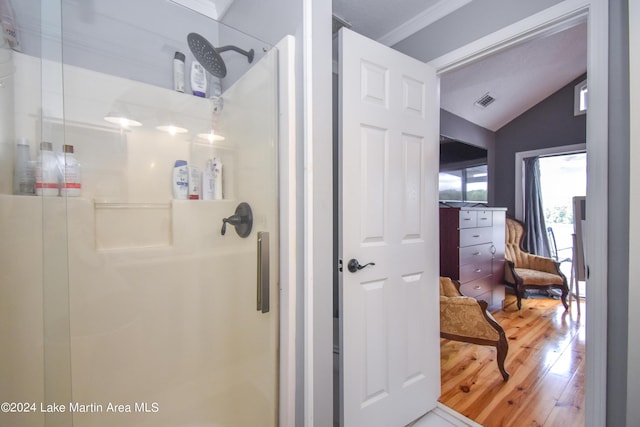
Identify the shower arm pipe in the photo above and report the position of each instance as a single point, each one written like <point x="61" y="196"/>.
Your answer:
<point x="248" y="54"/>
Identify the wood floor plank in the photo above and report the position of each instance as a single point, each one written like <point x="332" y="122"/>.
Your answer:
<point x="569" y="410"/>
<point x="546" y="362"/>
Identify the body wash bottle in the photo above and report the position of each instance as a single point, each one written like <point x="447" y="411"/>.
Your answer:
<point x="207" y="181"/>
<point x="217" y="179"/>
<point x="198" y="79"/>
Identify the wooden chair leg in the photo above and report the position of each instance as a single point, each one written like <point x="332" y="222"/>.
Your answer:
<point x="565" y="292"/>
<point x="502" y="348"/>
<point x="519" y="296"/>
<point x="571" y="293"/>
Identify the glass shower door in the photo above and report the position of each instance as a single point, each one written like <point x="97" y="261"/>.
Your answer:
<point x="163" y="317"/>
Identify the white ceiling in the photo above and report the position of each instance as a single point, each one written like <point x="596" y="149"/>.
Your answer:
<point x="391" y="21"/>
<point x="518" y="78"/>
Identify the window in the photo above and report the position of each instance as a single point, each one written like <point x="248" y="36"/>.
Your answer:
<point x="450" y="186"/>
<point x="580" y="98"/>
<point x="464" y="185"/>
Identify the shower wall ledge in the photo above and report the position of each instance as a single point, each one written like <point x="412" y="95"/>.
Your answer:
<point x="127" y="231"/>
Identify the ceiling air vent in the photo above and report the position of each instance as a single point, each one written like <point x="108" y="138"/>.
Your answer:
<point x="484" y="100"/>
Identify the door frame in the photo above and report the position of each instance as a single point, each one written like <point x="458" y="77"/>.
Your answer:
<point x="316" y="351"/>
<point x="521" y="155"/>
<point x="288" y="257"/>
<point x="554" y="19"/>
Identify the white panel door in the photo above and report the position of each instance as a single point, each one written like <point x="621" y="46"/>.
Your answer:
<point x="389" y="312"/>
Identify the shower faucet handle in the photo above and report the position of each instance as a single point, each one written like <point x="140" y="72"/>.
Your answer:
<point x="242" y="220"/>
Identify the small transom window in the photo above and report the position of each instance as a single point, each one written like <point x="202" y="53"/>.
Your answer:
<point x="580" y="99"/>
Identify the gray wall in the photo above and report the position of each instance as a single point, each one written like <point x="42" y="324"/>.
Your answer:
<point x="269" y="21"/>
<point x="472" y="21"/>
<point x="618" y="221"/>
<point x="550" y="123"/>
<point x="463" y="130"/>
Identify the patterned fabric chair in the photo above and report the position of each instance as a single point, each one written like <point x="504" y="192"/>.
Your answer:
<point x="466" y="319"/>
<point x="523" y="270"/>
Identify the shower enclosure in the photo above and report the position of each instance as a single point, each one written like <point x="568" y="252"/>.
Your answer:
<point x="125" y="306"/>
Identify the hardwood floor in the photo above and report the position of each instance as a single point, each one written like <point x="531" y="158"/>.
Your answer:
<point x="545" y="360"/>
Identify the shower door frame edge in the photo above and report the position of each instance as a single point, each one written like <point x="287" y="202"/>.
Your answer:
<point x="288" y="258"/>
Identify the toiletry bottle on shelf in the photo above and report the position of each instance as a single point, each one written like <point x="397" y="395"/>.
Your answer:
<point x="46" y="171"/>
<point x="71" y="184"/>
<point x="9" y="26"/>
<point x="178" y="71"/>
<point x="207" y="181"/>
<point x="24" y="174"/>
<point x="217" y="179"/>
<point x="198" y="79"/>
<point x="180" y="180"/>
<point x="194" y="183"/>
<point x="216" y="87"/>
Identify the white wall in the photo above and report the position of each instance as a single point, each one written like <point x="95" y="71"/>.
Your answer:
<point x="310" y="22"/>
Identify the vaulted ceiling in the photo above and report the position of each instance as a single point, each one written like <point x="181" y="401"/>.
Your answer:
<point x="518" y="78"/>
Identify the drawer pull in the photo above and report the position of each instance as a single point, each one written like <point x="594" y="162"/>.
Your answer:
<point x="467" y="219"/>
<point x="476" y="235"/>
<point x="477" y="270"/>
<point x="477" y="287"/>
<point x="476" y="253"/>
<point x="484" y="219"/>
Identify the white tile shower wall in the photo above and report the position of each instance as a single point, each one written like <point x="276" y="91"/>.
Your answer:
<point x="21" y="302"/>
<point x="172" y="323"/>
<point x="7" y="138"/>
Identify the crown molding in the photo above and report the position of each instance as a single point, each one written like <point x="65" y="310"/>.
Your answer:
<point x="425" y="18"/>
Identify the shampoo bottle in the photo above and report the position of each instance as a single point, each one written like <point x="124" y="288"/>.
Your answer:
<point x="24" y="174"/>
<point x="46" y="171"/>
<point x="198" y="79"/>
<point x="178" y="71"/>
<point x="180" y="180"/>
<point x="71" y="183"/>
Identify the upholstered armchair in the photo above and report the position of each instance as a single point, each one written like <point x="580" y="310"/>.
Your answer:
<point x="528" y="271"/>
<point x="466" y="319"/>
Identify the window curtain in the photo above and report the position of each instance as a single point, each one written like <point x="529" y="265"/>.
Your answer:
<point x="535" y="239"/>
